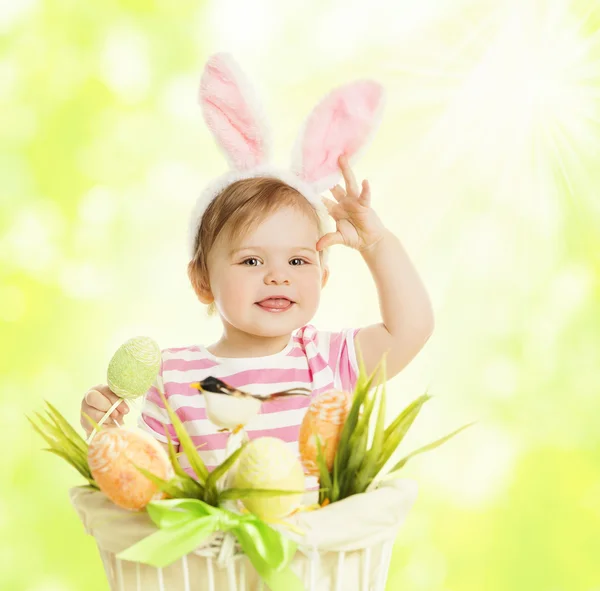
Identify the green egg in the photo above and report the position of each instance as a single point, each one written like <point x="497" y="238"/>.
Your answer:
<point x="134" y="367"/>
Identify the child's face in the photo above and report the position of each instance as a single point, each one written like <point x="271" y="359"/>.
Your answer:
<point x="278" y="258"/>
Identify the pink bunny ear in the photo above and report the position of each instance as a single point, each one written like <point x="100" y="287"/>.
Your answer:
<point x="233" y="113"/>
<point x="343" y="122"/>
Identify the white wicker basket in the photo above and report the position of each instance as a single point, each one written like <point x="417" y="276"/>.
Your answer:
<point x="347" y="546"/>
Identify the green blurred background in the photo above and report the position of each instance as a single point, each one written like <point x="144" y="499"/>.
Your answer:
<point x="487" y="166"/>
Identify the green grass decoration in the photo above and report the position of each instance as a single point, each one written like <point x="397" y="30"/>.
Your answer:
<point x="233" y="494"/>
<point x="357" y="464"/>
<point x="393" y="472"/>
<point x="175" y="487"/>
<point x="325" y="479"/>
<point x="185" y="441"/>
<point x="173" y="456"/>
<point x="64" y="441"/>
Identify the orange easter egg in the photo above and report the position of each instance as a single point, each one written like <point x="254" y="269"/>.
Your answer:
<point x="113" y="456"/>
<point x="324" y="419"/>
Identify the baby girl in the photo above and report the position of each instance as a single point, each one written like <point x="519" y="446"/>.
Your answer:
<point x="258" y="251"/>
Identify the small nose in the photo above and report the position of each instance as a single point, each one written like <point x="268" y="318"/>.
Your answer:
<point x="276" y="275"/>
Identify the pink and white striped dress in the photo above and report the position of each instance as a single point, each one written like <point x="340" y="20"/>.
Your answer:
<point x="314" y="359"/>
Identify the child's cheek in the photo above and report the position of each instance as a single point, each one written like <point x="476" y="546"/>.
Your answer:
<point x="240" y="281"/>
<point x="310" y="279"/>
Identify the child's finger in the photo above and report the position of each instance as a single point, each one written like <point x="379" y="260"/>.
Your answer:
<point x="349" y="178"/>
<point x="329" y="240"/>
<point x="96" y="416"/>
<point x="365" y="196"/>
<point x="337" y="192"/>
<point x="95" y="400"/>
<point x="118" y="419"/>
<point x="335" y="210"/>
<point x="112" y="397"/>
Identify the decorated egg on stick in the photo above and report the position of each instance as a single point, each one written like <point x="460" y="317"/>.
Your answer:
<point x="324" y="420"/>
<point x="131" y="372"/>
<point x="268" y="463"/>
<point x="113" y="456"/>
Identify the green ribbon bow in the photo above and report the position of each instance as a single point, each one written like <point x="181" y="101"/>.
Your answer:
<point x="185" y="523"/>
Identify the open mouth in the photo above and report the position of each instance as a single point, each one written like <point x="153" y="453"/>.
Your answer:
<point x="275" y="304"/>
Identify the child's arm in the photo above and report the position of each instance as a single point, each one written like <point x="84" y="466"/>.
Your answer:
<point x="406" y="312"/>
<point x="405" y="308"/>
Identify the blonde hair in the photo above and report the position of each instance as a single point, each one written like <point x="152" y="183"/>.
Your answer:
<point x="237" y="210"/>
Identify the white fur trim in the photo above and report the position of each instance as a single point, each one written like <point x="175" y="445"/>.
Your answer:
<point x="218" y="184"/>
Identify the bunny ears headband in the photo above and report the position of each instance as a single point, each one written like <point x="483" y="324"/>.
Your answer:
<point x="344" y="121"/>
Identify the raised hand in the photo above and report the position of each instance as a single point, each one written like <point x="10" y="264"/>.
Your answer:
<point x="357" y="225"/>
